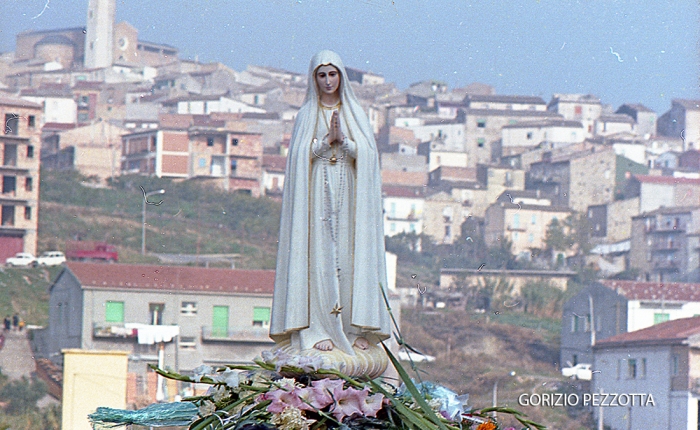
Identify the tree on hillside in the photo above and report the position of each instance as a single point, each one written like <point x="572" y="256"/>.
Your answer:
<point x="572" y="234"/>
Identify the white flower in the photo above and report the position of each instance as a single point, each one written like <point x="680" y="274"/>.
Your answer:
<point x="291" y="419"/>
<point x="201" y="371"/>
<point x="207" y="408"/>
<point x="217" y="392"/>
<point x="229" y="377"/>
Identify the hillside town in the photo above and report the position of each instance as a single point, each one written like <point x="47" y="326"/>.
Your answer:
<point x="567" y="185"/>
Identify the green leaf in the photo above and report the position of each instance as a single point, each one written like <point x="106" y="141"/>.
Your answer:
<point x="427" y="410"/>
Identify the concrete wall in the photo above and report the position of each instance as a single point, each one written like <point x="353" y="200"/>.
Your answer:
<point x="91" y="379"/>
<point x="611" y="376"/>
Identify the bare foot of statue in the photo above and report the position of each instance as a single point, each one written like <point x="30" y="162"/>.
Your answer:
<point x="324" y="345"/>
<point x="361" y="343"/>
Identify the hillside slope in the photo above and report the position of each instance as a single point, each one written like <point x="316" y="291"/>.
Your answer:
<point x="192" y="219"/>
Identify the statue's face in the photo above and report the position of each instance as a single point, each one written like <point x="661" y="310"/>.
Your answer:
<point x="328" y="79"/>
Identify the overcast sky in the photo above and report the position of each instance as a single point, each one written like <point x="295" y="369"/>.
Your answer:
<point x="625" y="51"/>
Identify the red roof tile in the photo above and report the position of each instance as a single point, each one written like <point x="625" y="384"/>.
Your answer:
<point x="16" y="102"/>
<point x="275" y="163"/>
<point x="670" y="180"/>
<point x="670" y="332"/>
<point x="670" y="291"/>
<point x="173" y="278"/>
<point x="57" y="126"/>
<point x="403" y="191"/>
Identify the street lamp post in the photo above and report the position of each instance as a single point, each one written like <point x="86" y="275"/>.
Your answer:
<point x="143" y="217"/>
<point x="495" y="393"/>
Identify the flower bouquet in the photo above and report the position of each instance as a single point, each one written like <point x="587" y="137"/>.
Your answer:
<point x="281" y="391"/>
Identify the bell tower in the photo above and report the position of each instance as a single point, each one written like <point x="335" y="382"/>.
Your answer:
<point x="99" y="38"/>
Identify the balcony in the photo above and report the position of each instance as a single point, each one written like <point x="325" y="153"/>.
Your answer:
<point x="668" y="266"/>
<point x="511" y="227"/>
<point x="145" y="334"/>
<point x="250" y="334"/>
<point x="114" y="331"/>
<point x="666" y="247"/>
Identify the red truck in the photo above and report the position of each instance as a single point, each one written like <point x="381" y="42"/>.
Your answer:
<point x="83" y="250"/>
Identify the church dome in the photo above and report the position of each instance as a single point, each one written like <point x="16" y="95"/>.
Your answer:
<point x="55" y="39"/>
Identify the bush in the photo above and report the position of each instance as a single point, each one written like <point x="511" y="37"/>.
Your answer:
<point x="21" y="395"/>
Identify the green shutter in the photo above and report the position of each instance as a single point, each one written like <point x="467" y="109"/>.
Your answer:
<point x="114" y="312"/>
<point x="261" y="314"/>
<point x="220" y="321"/>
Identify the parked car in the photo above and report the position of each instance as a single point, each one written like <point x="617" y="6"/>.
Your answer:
<point x="580" y="371"/>
<point x="21" y="259"/>
<point x="51" y="258"/>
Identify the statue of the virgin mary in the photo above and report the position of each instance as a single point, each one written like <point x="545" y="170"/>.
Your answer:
<point x="330" y="261"/>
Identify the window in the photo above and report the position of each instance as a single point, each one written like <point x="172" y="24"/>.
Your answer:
<point x="31" y="121"/>
<point x="481" y="123"/>
<point x="188" y="342"/>
<point x="11" y="123"/>
<point x="619" y="369"/>
<point x="30" y="151"/>
<point x="114" y="312"/>
<point x="660" y="317"/>
<point x="28" y="184"/>
<point x="234" y="166"/>
<point x="261" y="317"/>
<point x="210" y="141"/>
<point x="392" y="227"/>
<point x="156" y="311"/>
<point x="27" y="213"/>
<point x="234" y="142"/>
<point x="8" y="215"/>
<point x="631" y="368"/>
<point x="533" y="219"/>
<point x="9" y="155"/>
<point x="530" y="238"/>
<point x="516" y="220"/>
<point x="643" y="368"/>
<point x="188" y="308"/>
<point x="529" y="135"/>
<point x="675" y="365"/>
<point x="9" y="184"/>
<point x="202" y="162"/>
<point x="480" y="142"/>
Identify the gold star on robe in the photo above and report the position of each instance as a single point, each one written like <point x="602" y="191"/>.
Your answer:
<point x="337" y="309"/>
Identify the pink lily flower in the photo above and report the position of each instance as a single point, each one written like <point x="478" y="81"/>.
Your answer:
<point x="348" y="403"/>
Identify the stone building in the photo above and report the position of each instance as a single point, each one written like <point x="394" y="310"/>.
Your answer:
<point x="665" y="243"/>
<point x="683" y="119"/>
<point x="195" y="146"/>
<point x="578" y="107"/>
<point x="582" y="179"/>
<point x="20" y="152"/>
<point x="193" y="315"/>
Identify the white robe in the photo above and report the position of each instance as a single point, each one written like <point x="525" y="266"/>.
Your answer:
<point x="331" y="219"/>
